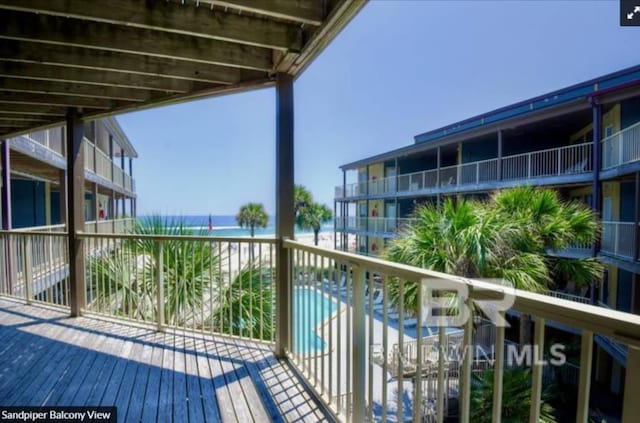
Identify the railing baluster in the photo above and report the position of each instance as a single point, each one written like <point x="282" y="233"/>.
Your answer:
<point x="536" y="374"/>
<point x="631" y="405"/>
<point x="358" y="341"/>
<point x="465" y="371"/>
<point x="27" y="276"/>
<point x="584" y="384"/>
<point x="442" y="350"/>
<point x="160" y="285"/>
<point x="498" y="373"/>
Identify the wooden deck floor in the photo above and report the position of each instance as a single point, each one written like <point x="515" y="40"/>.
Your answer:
<point x="47" y="358"/>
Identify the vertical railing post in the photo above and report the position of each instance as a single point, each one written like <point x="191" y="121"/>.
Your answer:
<point x="498" y="374"/>
<point x="27" y="261"/>
<point x="559" y="164"/>
<point x="284" y="207"/>
<point x="75" y="211"/>
<point x="160" y="285"/>
<point x="465" y="371"/>
<point x="584" y="384"/>
<point x="529" y="166"/>
<point x="630" y="404"/>
<point x="538" y="366"/>
<point x="358" y="352"/>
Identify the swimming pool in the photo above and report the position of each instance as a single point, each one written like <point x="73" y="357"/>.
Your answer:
<point x="310" y="309"/>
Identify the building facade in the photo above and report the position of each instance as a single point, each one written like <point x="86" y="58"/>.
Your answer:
<point x="583" y="141"/>
<point x="33" y="178"/>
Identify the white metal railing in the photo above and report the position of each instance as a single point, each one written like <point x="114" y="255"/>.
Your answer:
<point x="617" y="238"/>
<point x="372" y="224"/>
<point x="573" y="159"/>
<point x="622" y="147"/>
<point x="560" y="161"/>
<point x="344" y="350"/>
<point x="215" y="285"/>
<point x="34" y="266"/>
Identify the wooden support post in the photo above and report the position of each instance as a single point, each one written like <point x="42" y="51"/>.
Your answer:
<point x="584" y="384"/>
<point x="284" y="207"/>
<point x="6" y="184"/>
<point x="62" y="184"/>
<point x="359" y="350"/>
<point x="630" y="404"/>
<point x="597" y="194"/>
<point x="75" y="210"/>
<point x="96" y="207"/>
<point x="27" y="254"/>
<point x="537" y="368"/>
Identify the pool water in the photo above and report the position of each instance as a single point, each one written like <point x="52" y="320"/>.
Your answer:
<point x="310" y="309"/>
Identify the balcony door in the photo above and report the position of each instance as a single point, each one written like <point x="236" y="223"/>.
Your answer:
<point x="390" y="174"/>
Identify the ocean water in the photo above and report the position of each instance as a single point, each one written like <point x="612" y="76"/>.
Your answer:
<point x="224" y="225"/>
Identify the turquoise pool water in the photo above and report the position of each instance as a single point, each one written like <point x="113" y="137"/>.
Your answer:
<point x="310" y="309"/>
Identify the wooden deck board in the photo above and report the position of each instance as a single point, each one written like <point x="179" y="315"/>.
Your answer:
<point x="47" y="358"/>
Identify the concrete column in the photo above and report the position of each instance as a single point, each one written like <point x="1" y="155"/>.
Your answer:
<point x="285" y="218"/>
<point x="5" y="157"/>
<point x="75" y="210"/>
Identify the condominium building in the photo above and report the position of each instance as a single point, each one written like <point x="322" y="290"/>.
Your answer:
<point x="33" y="178"/>
<point x="582" y="140"/>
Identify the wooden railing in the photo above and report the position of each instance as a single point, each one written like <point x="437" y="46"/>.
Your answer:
<point x="348" y="357"/>
<point x="98" y="162"/>
<point x="214" y="285"/>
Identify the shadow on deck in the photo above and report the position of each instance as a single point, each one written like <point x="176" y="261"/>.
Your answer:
<point x="48" y="358"/>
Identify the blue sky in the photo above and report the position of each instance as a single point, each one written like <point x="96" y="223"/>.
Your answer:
<point x="399" y="69"/>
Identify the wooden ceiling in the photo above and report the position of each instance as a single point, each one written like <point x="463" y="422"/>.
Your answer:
<point x="108" y="56"/>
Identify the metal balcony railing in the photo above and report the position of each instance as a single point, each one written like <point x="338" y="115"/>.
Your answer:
<point x="621" y="148"/>
<point x="99" y="163"/>
<point x="561" y="161"/>
<point x="617" y="239"/>
<point x="381" y="225"/>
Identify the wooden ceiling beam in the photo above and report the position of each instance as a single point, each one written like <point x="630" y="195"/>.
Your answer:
<point x="30" y="109"/>
<point x="95" y="77"/>
<point x="310" y="12"/>
<point x="14" y="123"/>
<point x="57" y="100"/>
<point x="176" y="18"/>
<point x="28" y="118"/>
<point x="96" y="35"/>
<point x="73" y="89"/>
<point x="26" y="52"/>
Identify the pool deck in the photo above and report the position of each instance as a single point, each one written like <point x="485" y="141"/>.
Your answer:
<point x="48" y="358"/>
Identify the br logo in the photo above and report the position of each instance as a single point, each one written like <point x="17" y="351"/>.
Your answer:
<point x="447" y="303"/>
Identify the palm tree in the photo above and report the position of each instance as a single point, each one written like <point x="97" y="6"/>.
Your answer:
<point x="124" y="277"/>
<point x="246" y="306"/>
<point x="508" y="237"/>
<point x="312" y="216"/>
<point x="301" y="198"/>
<point x="252" y="215"/>
<point x="516" y="394"/>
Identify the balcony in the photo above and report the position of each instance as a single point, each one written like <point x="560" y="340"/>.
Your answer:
<point x="98" y="163"/>
<point x="388" y="226"/>
<point x="562" y="162"/>
<point x="617" y="239"/>
<point x="621" y="148"/>
<point x="187" y="323"/>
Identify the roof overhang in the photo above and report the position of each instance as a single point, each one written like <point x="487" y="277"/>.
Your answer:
<point x="105" y="57"/>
